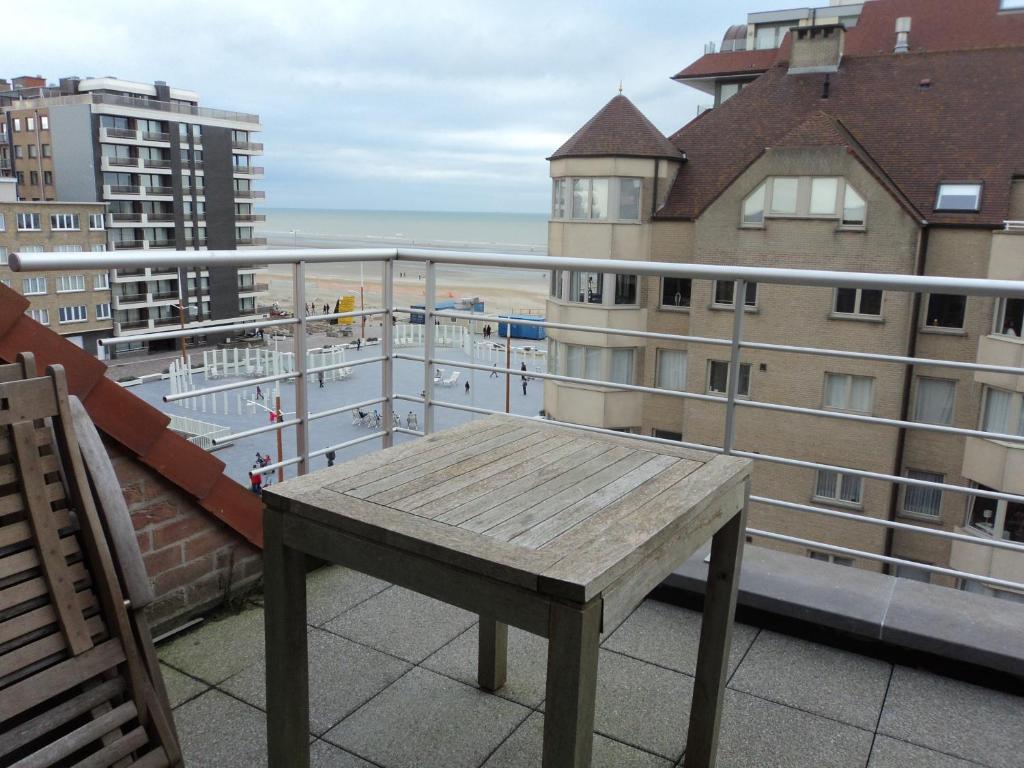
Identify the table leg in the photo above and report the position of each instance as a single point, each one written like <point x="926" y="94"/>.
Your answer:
<point x="284" y="605"/>
<point x="571" y="686"/>
<point x="492" y="661"/>
<point x="715" y="639"/>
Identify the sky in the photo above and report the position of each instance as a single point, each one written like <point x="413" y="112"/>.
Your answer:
<point x="446" y="105"/>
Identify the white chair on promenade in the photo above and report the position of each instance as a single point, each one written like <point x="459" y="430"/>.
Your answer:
<point x="449" y="381"/>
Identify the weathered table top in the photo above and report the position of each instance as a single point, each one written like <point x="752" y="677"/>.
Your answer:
<point x="548" y="508"/>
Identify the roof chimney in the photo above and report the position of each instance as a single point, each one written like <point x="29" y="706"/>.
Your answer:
<point x="902" y="34"/>
<point x="817" y="48"/>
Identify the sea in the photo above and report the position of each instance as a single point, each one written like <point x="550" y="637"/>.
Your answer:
<point x="499" y="232"/>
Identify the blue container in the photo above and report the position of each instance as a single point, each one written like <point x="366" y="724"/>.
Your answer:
<point x="416" y="318"/>
<point x="520" y="331"/>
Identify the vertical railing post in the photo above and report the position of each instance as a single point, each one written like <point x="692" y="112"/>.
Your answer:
<point x="299" y="347"/>
<point x="739" y="301"/>
<point x="387" y="339"/>
<point x="429" y="308"/>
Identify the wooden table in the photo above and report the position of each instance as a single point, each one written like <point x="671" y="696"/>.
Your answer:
<point x="559" y="531"/>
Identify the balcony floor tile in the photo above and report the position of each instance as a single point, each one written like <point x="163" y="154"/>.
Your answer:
<point x="815" y="678"/>
<point x="402" y="623"/>
<point x="342" y="676"/>
<point x="333" y="590"/>
<point x="428" y="721"/>
<point x="220" y="648"/>
<point x="985" y="727"/>
<point x="890" y="753"/>
<point x="216" y="730"/>
<point x="325" y="755"/>
<point x="181" y="687"/>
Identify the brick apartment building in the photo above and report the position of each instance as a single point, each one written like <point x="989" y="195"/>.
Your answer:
<point x="881" y="136"/>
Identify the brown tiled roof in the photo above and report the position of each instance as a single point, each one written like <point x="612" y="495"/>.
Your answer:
<point x="964" y="126"/>
<point x="137" y="426"/>
<point x="727" y="63"/>
<point x="619" y="129"/>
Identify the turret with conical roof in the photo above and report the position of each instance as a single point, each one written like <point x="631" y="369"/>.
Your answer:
<point x="619" y="129"/>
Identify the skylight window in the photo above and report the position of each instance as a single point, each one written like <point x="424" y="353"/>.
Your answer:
<point x="958" y="197"/>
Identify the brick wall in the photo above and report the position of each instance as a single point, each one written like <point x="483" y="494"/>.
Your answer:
<point x="194" y="561"/>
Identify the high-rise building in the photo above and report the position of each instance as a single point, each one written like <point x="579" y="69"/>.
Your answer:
<point x="76" y="304"/>
<point x="887" y="141"/>
<point x="173" y="175"/>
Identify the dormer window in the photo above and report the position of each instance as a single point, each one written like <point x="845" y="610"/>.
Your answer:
<point x="958" y="197"/>
<point x="805" y="197"/>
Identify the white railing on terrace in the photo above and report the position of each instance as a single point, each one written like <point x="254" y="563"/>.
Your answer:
<point x="740" y="276"/>
<point x="1014" y="226"/>
<point x="201" y="433"/>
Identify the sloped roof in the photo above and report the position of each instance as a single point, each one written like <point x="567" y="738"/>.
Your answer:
<point x="727" y="63"/>
<point x="963" y="126"/>
<point x="619" y="129"/>
<point x="126" y="419"/>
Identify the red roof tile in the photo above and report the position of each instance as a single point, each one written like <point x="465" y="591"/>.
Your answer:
<point x="619" y="129"/>
<point x="964" y="126"/>
<point x="727" y="63"/>
<point x="131" y="422"/>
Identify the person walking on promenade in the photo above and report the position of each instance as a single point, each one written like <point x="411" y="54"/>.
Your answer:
<point x="259" y="393"/>
<point x="467" y="387"/>
<point x="320" y="379"/>
<point x="494" y="372"/>
<point x="255" y="480"/>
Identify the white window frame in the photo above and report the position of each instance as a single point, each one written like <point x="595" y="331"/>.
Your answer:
<point x="917" y="400"/>
<point x="951" y="187"/>
<point x="40" y="315"/>
<point x="659" y="371"/>
<point x="101" y="281"/>
<point x="1014" y="423"/>
<point x="846" y="406"/>
<point x="65" y="222"/>
<point x="739" y="391"/>
<point x="764" y="194"/>
<point x="73" y="313"/>
<point x="953" y="329"/>
<point x="920" y="474"/>
<point x="70" y="283"/>
<point x="3" y="255"/>
<point x="857" y="301"/>
<point x="30" y="219"/>
<point x="842" y="478"/>
<point x="103" y="311"/>
<point x="3" y="223"/>
<point x="747" y="307"/>
<point x="674" y="307"/>
<point x="614" y="213"/>
<point x="44" y="123"/>
<point x="831" y="557"/>
<point x="33" y="286"/>
<point x="96" y="222"/>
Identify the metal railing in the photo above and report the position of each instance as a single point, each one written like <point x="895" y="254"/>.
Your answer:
<point x="730" y="400"/>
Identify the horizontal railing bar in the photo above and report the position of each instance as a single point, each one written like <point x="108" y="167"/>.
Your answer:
<point x="275" y="427"/>
<point x="894" y="524"/>
<point x="468" y="408"/>
<point x="126" y="259"/>
<point x="881" y="420"/>
<point x="280" y="464"/>
<point x="228" y="387"/>
<point x="966" y="490"/>
<point x="348" y="443"/>
<point x="885" y="559"/>
<point x="353" y="313"/>
<point x="407" y="431"/>
<point x="347" y="364"/>
<point x="824" y="352"/>
<point x="193" y="330"/>
<point x="409" y="398"/>
<point x="343" y="408"/>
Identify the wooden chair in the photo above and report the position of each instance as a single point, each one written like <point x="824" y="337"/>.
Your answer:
<point x="79" y="683"/>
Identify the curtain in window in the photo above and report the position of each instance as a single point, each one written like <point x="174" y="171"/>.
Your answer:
<point x="827" y="486"/>
<point x="997" y="411"/>
<point x="574" y="360"/>
<point x="935" y="401"/>
<point x="835" y="391"/>
<point x="850" y="489"/>
<point x="593" y="363"/>
<point x="860" y="393"/>
<point x="671" y="370"/>
<point x="552" y="357"/>
<point x="622" y="366"/>
<point x="923" y="501"/>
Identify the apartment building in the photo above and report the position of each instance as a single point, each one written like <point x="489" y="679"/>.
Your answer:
<point x="173" y="174"/>
<point x="75" y="304"/>
<point x="888" y="145"/>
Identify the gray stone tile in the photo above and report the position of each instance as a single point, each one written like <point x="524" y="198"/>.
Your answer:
<point x="668" y="635"/>
<point x="815" y="678"/>
<point x="761" y="734"/>
<point x="180" y="688"/>
<point x="642" y="705"/>
<point x="219" y="648"/>
<point x="403" y="623"/>
<point x="217" y="731"/>
<point x="890" y="753"/>
<point x="332" y="590"/>
<point x="428" y="721"/>
<point x="324" y="755"/>
<point x="523" y="750"/>
<point x="342" y="676"/>
<point x="986" y="727"/>
<point x="527" y="664"/>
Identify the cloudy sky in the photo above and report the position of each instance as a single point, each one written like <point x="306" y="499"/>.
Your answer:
<point x="430" y="105"/>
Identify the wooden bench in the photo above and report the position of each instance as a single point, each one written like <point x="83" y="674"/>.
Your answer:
<point x="559" y="531"/>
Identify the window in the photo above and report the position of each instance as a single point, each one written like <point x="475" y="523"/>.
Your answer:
<point x="556" y="283"/>
<point x="844" y="392"/>
<point x="598" y="363"/>
<point x="560" y="189"/>
<point x="46" y="150"/>
<point x="1003" y="412"/>
<point x="3" y="256"/>
<point x="68" y="283"/>
<point x="919" y="500"/>
<point x="629" y="199"/>
<point x="95" y="221"/>
<point x="828" y="557"/>
<point x="986" y="514"/>
<point x="625" y="289"/>
<point x="935" y="401"/>
<point x="30" y="123"/>
<point x="858" y="301"/>
<point x="727" y="90"/>
<point x="69" y="249"/>
<point x="1011" y="5"/>
<point x="586" y="287"/>
<point x="41" y="316"/>
<point x="64" y="221"/>
<point x="48" y="178"/>
<point x="718" y="378"/>
<point x="33" y="286"/>
<point x="28" y="222"/>
<point x="552" y="355"/>
<point x="622" y="366"/>
<point x="945" y="310"/>
<point x="724" y="290"/>
<point x="44" y="124"/>
<point x="784" y="195"/>
<point x="33" y="151"/>
<point x="98" y="247"/>
<point x="33" y="178"/>
<point x="19" y="153"/>
<point x="17" y="124"/>
<point x="3" y="223"/>
<point x="670" y="372"/>
<point x="958" y="197"/>
<point x="854" y="208"/>
<point x="103" y="311"/>
<point x="837" y="487"/>
<point x="768" y="36"/>
<point x="675" y="291"/>
<point x="73" y="314"/>
<point x="1009" y="316"/>
<point x="600" y="199"/>
<point x="101" y="281"/>
<point x="824" y="193"/>
<point x="753" y="207"/>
